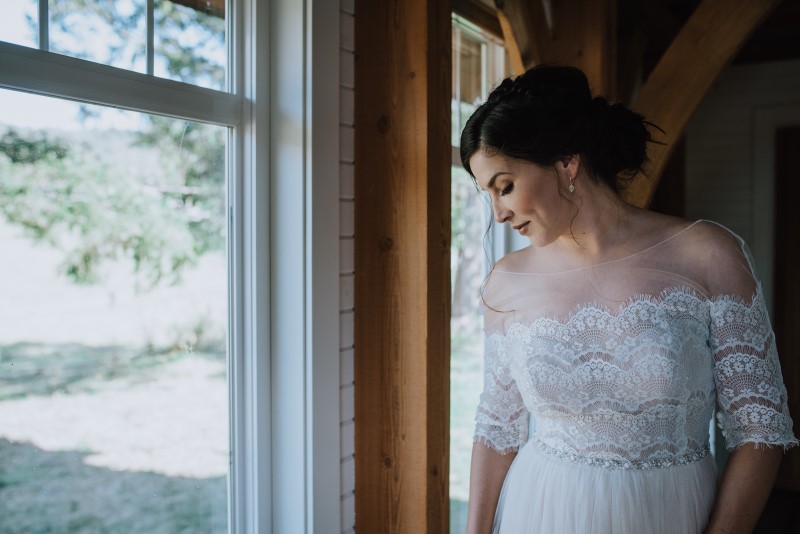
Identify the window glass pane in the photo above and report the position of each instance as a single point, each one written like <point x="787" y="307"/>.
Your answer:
<point x="477" y="67"/>
<point x="467" y="267"/>
<point x="190" y="41"/>
<point x="113" y="360"/>
<point x="189" y="37"/>
<point x="468" y="78"/>
<point x="18" y="22"/>
<point x="471" y="72"/>
<point x="112" y="33"/>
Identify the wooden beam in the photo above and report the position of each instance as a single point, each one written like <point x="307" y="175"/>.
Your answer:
<point x="524" y="28"/>
<point x="697" y="56"/>
<point x="583" y="34"/>
<point x="480" y="14"/>
<point x="402" y="258"/>
<point x="511" y="44"/>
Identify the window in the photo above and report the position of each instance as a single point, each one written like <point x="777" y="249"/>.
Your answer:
<point x="133" y="192"/>
<point x="113" y="384"/>
<point x="182" y="40"/>
<point x="280" y="132"/>
<point x="116" y="353"/>
<point x="479" y="64"/>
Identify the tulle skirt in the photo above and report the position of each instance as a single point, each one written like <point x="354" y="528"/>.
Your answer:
<point x="545" y="494"/>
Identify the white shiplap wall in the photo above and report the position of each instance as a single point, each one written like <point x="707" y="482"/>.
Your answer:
<point x="727" y="142"/>
<point x="346" y="268"/>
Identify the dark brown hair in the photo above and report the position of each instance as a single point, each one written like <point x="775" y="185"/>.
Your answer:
<point x="548" y="113"/>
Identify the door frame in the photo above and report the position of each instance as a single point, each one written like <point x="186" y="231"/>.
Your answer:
<point x="767" y="119"/>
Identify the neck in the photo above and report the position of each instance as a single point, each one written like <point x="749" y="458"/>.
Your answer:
<point x="602" y="220"/>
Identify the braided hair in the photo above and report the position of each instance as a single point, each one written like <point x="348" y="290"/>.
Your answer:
<point x="548" y="113"/>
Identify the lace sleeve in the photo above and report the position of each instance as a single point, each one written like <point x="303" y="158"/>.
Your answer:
<point x="751" y="395"/>
<point x="750" y="390"/>
<point x="501" y="422"/>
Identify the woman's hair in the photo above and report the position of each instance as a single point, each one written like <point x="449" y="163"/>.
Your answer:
<point x="548" y="114"/>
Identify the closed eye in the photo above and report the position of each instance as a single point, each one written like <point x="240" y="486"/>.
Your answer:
<point x="507" y="189"/>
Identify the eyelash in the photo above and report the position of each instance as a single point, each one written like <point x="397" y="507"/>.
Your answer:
<point x="506" y="190"/>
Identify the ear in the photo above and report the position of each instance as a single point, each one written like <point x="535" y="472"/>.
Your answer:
<point x="569" y="164"/>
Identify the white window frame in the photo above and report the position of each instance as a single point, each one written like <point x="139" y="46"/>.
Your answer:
<point x="283" y="242"/>
<point x="502" y="239"/>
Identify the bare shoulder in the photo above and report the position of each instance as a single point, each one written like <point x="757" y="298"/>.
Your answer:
<point x="705" y="251"/>
<point x="712" y="242"/>
<point x="720" y="258"/>
<point x="708" y="237"/>
<point x="517" y="261"/>
<point x="655" y="227"/>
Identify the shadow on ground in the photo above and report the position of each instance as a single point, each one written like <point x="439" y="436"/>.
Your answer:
<point x="31" y="368"/>
<point x="48" y="492"/>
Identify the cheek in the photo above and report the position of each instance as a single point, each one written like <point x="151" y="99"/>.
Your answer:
<point x="536" y="198"/>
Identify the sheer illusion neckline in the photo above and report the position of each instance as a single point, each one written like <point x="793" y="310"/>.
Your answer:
<point x="609" y="262"/>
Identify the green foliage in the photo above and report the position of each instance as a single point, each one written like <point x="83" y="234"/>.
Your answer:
<point x="185" y="37"/>
<point x="71" y="198"/>
<point x="31" y="150"/>
<point x="193" y="154"/>
<point x="183" y="56"/>
<point x="93" y="212"/>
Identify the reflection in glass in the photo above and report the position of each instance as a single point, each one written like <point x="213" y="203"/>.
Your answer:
<point x="113" y="359"/>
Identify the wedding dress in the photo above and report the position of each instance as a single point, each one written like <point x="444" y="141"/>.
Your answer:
<point x="621" y="364"/>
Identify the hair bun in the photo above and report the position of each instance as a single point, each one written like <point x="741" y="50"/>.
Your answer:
<point x="617" y="138"/>
<point x="502" y="91"/>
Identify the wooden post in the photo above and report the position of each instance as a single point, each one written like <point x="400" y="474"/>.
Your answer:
<point x="402" y="255"/>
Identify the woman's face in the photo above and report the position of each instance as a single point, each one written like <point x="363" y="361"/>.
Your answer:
<point x="525" y="195"/>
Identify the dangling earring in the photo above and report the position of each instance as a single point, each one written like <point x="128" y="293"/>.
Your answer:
<point x="572" y="184"/>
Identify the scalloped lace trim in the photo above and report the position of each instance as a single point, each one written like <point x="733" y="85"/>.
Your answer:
<point x="631" y="385"/>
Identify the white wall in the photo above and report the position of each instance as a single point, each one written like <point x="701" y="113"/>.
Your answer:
<point x="729" y="156"/>
<point x="346" y="268"/>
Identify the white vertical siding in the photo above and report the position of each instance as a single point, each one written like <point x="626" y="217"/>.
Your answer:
<point x="346" y="267"/>
<point x="726" y="141"/>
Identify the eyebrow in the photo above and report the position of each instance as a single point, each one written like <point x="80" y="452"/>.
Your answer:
<point x="494" y="178"/>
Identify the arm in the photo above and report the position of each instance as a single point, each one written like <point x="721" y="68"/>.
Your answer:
<point x="487" y="473"/>
<point x="746" y="485"/>
<point x="754" y="413"/>
<point x="501" y="428"/>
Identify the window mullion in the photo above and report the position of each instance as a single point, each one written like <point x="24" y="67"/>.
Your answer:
<point x="44" y="25"/>
<point x="150" y="47"/>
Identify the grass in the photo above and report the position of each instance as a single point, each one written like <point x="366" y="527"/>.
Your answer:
<point x="112" y="440"/>
<point x="44" y="490"/>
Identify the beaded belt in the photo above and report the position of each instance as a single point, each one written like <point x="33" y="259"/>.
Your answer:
<point x="609" y="463"/>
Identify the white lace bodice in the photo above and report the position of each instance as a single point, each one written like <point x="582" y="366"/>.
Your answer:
<point x="621" y="363"/>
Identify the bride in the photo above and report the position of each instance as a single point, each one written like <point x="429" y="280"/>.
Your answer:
<point x="618" y="329"/>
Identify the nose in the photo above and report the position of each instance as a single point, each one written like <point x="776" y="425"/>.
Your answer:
<point x="501" y="214"/>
